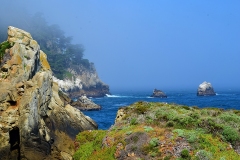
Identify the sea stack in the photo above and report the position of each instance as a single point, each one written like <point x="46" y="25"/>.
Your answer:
<point x="85" y="104"/>
<point x="205" y="89"/>
<point x="158" y="93"/>
<point x="35" y="123"/>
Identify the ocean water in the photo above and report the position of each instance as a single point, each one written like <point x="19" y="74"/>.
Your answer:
<point x="110" y="103"/>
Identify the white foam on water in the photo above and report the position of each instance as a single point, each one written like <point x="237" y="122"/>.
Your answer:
<point x="112" y="96"/>
<point x="149" y="97"/>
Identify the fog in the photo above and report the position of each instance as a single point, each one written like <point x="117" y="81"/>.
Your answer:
<point x="142" y="45"/>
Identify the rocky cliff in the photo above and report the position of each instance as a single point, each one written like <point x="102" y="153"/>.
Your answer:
<point x="34" y="122"/>
<point x="83" y="81"/>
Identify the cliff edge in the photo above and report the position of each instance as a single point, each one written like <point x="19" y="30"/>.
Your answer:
<point x="34" y="122"/>
<point x="83" y="81"/>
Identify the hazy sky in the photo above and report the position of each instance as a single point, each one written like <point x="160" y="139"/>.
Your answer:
<point x="142" y="44"/>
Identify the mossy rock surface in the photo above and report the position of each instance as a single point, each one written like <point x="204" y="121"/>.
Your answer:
<point x="149" y="130"/>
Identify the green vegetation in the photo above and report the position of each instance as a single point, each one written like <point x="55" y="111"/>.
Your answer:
<point x="90" y="143"/>
<point x="169" y="131"/>
<point x="3" y="46"/>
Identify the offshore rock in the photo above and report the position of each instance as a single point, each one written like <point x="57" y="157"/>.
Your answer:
<point x="35" y="123"/>
<point x="83" y="103"/>
<point x="205" y="89"/>
<point x="158" y="93"/>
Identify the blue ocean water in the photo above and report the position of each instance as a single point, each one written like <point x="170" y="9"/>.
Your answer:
<point x="110" y="104"/>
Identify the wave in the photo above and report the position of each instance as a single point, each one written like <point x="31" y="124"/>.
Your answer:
<point x="149" y="97"/>
<point x="115" y="96"/>
<point x="119" y="96"/>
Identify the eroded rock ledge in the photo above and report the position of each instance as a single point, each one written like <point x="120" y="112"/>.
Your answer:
<point x="35" y="123"/>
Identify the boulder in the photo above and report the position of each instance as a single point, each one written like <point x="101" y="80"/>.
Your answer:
<point x="158" y="93"/>
<point x="205" y="89"/>
<point x="35" y="123"/>
<point x="83" y="103"/>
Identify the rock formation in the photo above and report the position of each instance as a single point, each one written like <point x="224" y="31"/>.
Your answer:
<point x="83" y="82"/>
<point x="158" y="93"/>
<point x="83" y="103"/>
<point x="34" y="121"/>
<point x="205" y="89"/>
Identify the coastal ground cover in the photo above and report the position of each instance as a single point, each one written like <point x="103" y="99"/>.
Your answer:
<point x="148" y="130"/>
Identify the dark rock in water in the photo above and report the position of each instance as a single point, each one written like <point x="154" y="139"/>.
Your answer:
<point x="205" y="89"/>
<point x="83" y="103"/>
<point x="36" y="122"/>
<point x="158" y="93"/>
<point x="100" y="90"/>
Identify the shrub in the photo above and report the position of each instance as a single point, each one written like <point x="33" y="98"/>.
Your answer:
<point x="170" y="124"/>
<point x="151" y="148"/>
<point x="195" y="115"/>
<point x="192" y="137"/>
<point x="133" y="121"/>
<point x="140" y="107"/>
<point x="180" y="132"/>
<point x="149" y="119"/>
<point x="68" y="75"/>
<point x="89" y="141"/>
<point x="230" y="134"/>
<point x="203" y="155"/>
<point x="186" y="107"/>
<point x="185" y="154"/>
<point x="154" y="142"/>
<point x="148" y="128"/>
<point x="3" y="46"/>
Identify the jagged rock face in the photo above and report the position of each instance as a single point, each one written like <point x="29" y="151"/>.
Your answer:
<point x="83" y="82"/>
<point x="205" y="89"/>
<point x="34" y="122"/>
<point x="83" y="103"/>
<point x="158" y="93"/>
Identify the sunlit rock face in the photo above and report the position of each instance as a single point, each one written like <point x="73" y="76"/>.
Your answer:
<point x="83" y="82"/>
<point x="205" y="89"/>
<point x="34" y="122"/>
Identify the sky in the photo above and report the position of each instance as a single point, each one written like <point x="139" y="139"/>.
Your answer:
<point x="142" y="45"/>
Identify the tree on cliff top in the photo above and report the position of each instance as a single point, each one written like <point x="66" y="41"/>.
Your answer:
<point x="61" y="53"/>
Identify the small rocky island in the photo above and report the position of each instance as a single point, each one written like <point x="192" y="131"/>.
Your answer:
<point x="205" y="89"/>
<point x="85" y="104"/>
<point x="35" y="121"/>
<point x="158" y="93"/>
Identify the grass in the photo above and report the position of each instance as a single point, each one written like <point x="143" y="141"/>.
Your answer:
<point x="153" y="130"/>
